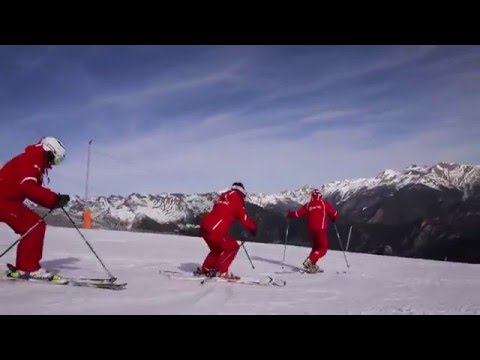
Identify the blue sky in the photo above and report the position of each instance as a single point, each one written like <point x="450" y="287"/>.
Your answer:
<point x="197" y="118"/>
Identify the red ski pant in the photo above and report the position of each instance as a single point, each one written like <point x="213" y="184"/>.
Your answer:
<point x="319" y="240"/>
<point x="30" y="248"/>
<point x="223" y="249"/>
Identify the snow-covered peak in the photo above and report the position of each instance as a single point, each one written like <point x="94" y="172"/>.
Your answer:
<point x="387" y="174"/>
<point x="296" y="196"/>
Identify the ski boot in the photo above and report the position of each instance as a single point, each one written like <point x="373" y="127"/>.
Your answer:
<point x="207" y="273"/>
<point x="40" y="274"/>
<point x="310" y="267"/>
<point x="228" y="275"/>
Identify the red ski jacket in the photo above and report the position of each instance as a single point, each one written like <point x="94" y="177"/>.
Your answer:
<point x="316" y="211"/>
<point x="230" y="206"/>
<point x="21" y="178"/>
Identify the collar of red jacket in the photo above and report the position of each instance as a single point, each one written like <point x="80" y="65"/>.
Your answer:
<point x="37" y="152"/>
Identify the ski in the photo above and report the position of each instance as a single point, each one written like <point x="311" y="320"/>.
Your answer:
<point x="69" y="282"/>
<point x="96" y="280"/>
<point x="298" y="270"/>
<point x="302" y="271"/>
<point x="267" y="281"/>
<point x="112" y="280"/>
<point x="96" y="284"/>
<point x="82" y="282"/>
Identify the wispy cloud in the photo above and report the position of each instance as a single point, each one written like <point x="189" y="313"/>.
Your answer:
<point x="328" y="116"/>
<point x="161" y="87"/>
<point x="198" y="118"/>
<point x="266" y="163"/>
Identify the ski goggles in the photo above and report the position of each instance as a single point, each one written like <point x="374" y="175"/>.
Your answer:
<point x="58" y="160"/>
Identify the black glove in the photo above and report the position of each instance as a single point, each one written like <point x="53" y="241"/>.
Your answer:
<point x="62" y="200"/>
<point x="254" y="232"/>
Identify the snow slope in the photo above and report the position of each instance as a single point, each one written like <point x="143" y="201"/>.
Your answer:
<point x="373" y="284"/>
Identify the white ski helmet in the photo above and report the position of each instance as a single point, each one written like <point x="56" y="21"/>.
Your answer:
<point x="56" y="147"/>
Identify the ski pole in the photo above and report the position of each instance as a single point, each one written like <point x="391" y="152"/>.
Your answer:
<point x="341" y="245"/>
<point x="349" y="234"/>
<point x="244" y="248"/>
<point x="285" y="248"/>
<point x="112" y="278"/>
<point x="27" y="232"/>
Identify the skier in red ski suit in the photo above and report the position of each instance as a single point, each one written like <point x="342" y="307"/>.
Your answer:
<point x="214" y="229"/>
<point x="316" y="211"/>
<point x="21" y="178"/>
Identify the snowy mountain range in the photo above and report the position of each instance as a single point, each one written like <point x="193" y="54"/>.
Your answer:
<point x="439" y="177"/>
<point x="406" y="200"/>
<point x="172" y="207"/>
